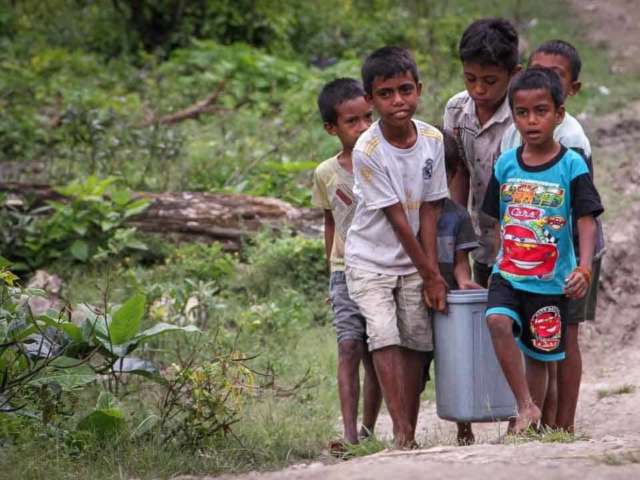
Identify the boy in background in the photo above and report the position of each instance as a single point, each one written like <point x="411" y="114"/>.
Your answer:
<point x="564" y="59"/>
<point x="400" y="183"/>
<point x="478" y="118"/>
<point x="534" y="193"/>
<point x="346" y="114"/>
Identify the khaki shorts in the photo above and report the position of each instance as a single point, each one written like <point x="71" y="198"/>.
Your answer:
<point x="393" y="308"/>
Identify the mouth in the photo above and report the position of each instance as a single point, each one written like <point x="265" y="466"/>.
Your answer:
<point x="401" y="114"/>
<point x="526" y="265"/>
<point x="533" y="134"/>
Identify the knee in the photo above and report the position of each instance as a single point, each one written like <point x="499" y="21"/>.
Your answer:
<point x="500" y="325"/>
<point x="350" y="351"/>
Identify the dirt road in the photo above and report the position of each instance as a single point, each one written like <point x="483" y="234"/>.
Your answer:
<point x="610" y="395"/>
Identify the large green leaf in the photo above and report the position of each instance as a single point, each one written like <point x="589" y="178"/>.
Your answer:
<point x="106" y="401"/>
<point x="65" y="372"/>
<point x="126" y="321"/>
<point x="124" y="349"/>
<point x="105" y="421"/>
<point x="4" y="262"/>
<point x="73" y="331"/>
<point x="3" y="330"/>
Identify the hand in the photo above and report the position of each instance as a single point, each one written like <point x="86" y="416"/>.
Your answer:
<point x="576" y="285"/>
<point x="470" y="285"/>
<point x="435" y="292"/>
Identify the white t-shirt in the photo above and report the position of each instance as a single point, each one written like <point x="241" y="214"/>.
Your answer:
<point x="384" y="176"/>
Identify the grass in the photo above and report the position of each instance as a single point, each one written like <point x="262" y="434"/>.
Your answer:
<point x="545" y="435"/>
<point x="619" y="459"/>
<point x="623" y="390"/>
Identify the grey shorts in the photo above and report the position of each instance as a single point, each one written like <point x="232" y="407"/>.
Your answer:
<point x="348" y="322"/>
<point x="585" y="307"/>
<point x="394" y="309"/>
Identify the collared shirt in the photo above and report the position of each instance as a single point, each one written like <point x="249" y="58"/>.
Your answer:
<point x="480" y="148"/>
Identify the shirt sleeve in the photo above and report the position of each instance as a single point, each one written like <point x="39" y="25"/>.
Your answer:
<point x="585" y="199"/>
<point x="319" y="196"/>
<point x="491" y="203"/>
<point x="434" y="176"/>
<point x="373" y="181"/>
<point x="466" y="238"/>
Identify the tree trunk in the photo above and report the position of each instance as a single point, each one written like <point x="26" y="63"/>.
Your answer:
<point x="198" y="216"/>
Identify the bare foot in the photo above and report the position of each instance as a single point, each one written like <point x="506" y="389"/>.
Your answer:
<point x="465" y="435"/>
<point x="365" y="433"/>
<point x="529" y="416"/>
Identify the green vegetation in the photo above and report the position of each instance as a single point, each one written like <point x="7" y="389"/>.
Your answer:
<point x="623" y="390"/>
<point x="164" y="359"/>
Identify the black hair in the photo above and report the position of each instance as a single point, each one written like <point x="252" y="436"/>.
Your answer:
<point x="490" y="41"/>
<point x="562" y="49"/>
<point x="537" y="78"/>
<point x="452" y="156"/>
<point x="386" y="63"/>
<point x="334" y="93"/>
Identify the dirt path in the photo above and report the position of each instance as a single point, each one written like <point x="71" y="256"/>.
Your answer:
<point x="610" y="393"/>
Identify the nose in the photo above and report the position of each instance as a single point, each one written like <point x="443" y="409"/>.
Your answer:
<point x="363" y="125"/>
<point x="397" y="98"/>
<point x="480" y="90"/>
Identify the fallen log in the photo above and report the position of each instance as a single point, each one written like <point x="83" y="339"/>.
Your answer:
<point x="227" y="218"/>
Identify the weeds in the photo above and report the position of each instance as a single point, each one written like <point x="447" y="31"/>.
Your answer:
<point x="623" y="390"/>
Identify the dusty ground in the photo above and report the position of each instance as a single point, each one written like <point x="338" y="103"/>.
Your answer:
<point x="611" y="346"/>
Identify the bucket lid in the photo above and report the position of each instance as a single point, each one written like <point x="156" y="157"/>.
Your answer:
<point x="467" y="296"/>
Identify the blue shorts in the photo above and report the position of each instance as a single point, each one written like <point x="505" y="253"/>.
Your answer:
<point x="539" y="321"/>
<point x="348" y="322"/>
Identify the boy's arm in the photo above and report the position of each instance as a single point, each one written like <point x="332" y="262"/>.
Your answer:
<point x="435" y="288"/>
<point x="577" y="283"/>
<point x="329" y="232"/>
<point x="460" y="187"/>
<point x="462" y="271"/>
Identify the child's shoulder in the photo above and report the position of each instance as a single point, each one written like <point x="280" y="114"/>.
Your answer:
<point x="327" y="167"/>
<point x="428" y="131"/>
<point x="571" y="134"/>
<point x="458" y="101"/>
<point x="369" y="140"/>
<point x="451" y="206"/>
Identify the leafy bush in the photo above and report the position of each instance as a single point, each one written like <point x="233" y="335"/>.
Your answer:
<point x="86" y="227"/>
<point x="288" y="262"/>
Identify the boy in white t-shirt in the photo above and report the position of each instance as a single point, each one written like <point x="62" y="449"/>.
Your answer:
<point x="400" y="183"/>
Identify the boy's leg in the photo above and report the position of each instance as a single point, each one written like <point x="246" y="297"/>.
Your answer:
<point x="374" y="295"/>
<point x="350" y="330"/>
<point x="537" y="378"/>
<point x="550" y="407"/>
<point x="372" y="396"/>
<point x="349" y="357"/>
<point x="569" y="377"/>
<point x="510" y="359"/>
<point x="503" y="307"/>
<point x="415" y="326"/>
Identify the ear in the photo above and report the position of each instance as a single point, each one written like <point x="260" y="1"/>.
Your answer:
<point x="419" y="88"/>
<point x="517" y="69"/>
<point x="575" y="88"/>
<point x="560" y="111"/>
<point x="330" y="128"/>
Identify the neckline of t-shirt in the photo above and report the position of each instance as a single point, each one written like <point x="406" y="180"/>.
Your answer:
<point x="402" y="151"/>
<point x="540" y="168"/>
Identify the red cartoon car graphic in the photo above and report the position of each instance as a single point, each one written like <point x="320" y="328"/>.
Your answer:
<point x="523" y="255"/>
<point x="546" y="328"/>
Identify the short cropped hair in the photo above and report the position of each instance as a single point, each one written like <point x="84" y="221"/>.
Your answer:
<point x="537" y="78"/>
<point x="562" y="49"/>
<point x="490" y="41"/>
<point x="452" y="157"/>
<point x="334" y="93"/>
<point x="386" y="63"/>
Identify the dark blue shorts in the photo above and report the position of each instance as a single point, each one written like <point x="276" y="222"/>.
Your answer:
<point x="348" y="322"/>
<point x="539" y="321"/>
